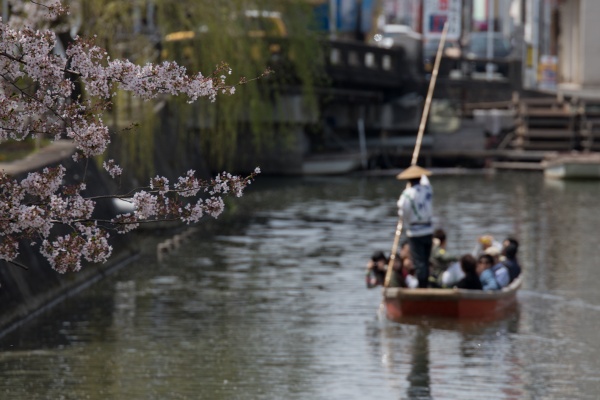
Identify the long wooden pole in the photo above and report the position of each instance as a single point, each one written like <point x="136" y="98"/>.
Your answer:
<point x="434" y="74"/>
<point x="415" y="157"/>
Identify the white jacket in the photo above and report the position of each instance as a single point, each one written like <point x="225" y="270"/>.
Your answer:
<point x="415" y="207"/>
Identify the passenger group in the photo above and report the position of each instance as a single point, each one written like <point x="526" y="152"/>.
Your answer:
<point x="492" y="268"/>
<point x="423" y="260"/>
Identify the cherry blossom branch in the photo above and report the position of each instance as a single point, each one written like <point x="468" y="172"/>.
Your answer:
<point x="18" y="265"/>
<point x="31" y="97"/>
<point x="39" y="209"/>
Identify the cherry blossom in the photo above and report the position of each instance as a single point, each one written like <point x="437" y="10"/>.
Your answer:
<point x="112" y="168"/>
<point x="36" y="97"/>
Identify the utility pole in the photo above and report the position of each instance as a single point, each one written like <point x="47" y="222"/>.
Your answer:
<point x="489" y="67"/>
<point x="333" y="18"/>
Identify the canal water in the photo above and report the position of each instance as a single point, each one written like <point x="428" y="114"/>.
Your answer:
<point x="273" y="304"/>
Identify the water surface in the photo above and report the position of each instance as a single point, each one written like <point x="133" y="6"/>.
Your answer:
<point x="273" y="305"/>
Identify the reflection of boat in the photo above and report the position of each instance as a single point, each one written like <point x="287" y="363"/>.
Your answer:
<point x="576" y="166"/>
<point x="453" y="303"/>
<point x="331" y="164"/>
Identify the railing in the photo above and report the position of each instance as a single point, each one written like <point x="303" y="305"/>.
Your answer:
<point x="362" y="64"/>
<point x="474" y="69"/>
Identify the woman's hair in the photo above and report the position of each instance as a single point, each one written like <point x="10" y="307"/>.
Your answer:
<point x="439" y="234"/>
<point x="510" y="251"/>
<point x="468" y="264"/>
<point x="378" y="255"/>
<point x="513" y="241"/>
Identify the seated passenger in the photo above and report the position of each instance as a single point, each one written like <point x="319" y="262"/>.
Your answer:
<point x="510" y="261"/>
<point x="409" y="280"/>
<point x="485" y="272"/>
<point x="376" y="268"/>
<point x="500" y="270"/>
<point x="403" y="272"/>
<point x="483" y="243"/>
<point x="510" y="240"/>
<point x="452" y="275"/>
<point x="440" y="259"/>
<point x="471" y="280"/>
<point x="405" y="250"/>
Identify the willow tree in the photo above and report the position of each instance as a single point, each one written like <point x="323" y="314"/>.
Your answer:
<point x="53" y="208"/>
<point x="271" y="39"/>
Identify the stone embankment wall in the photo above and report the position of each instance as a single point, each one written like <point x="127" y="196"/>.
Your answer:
<point x="23" y="292"/>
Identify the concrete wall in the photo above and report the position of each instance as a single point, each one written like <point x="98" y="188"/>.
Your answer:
<point x="590" y="42"/>
<point x="569" y="43"/>
<point x="579" y="46"/>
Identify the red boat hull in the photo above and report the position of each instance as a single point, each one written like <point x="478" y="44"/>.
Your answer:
<point x="450" y="303"/>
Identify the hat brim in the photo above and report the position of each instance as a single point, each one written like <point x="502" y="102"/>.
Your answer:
<point x="413" y="172"/>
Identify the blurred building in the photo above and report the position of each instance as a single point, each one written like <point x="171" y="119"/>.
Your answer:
<point x="555" y="39"/>
<point x="348" y="19"/>
<point x="577" y="46"/>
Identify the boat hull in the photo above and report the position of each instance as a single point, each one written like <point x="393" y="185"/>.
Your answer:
<point x="450" y="303"/>
<point x="573" y="171"/>
<point x="337" y="164"/>
<point x="586" y="166"/>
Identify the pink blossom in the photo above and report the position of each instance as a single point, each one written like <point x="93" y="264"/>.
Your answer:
<point x="112" y="168"/>
<point x="42" y="208"/>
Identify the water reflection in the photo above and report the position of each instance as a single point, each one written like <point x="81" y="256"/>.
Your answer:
<point x="444" y="358"/>
<point x="418" y="377"/>
<point x="272" y="305"/>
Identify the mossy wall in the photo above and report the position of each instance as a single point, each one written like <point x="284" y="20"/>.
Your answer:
<point x="23" y="292"/>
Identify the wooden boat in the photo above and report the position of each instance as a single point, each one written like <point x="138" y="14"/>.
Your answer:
<point x="331" y="164"/>
<point x="451" y="303"/>
<point x="573" y="166"/>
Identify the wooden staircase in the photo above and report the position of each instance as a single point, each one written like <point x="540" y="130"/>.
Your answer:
<point x="554" y="124"/>
<point x="590" y="125"/>
<point x="545" y="126"/>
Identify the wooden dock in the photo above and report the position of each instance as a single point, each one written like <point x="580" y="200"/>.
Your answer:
<point x="544" y="128"/>
<point x="517" y="165"/>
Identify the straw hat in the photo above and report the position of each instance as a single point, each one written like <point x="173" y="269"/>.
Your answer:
<point x="413" y="172"/>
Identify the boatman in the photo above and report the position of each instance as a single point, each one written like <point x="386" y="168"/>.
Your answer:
<point x="415" y="208"/>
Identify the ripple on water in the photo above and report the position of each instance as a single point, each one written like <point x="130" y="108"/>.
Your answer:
<point x="277" y="307"/>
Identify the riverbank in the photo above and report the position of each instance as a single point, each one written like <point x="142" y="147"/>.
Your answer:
<point x="25" y="293"/>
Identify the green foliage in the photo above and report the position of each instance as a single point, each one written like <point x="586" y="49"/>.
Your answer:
<point x="11" y="150"/>
<point x="201" y="34"/>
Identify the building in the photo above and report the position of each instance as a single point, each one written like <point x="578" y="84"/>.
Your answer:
<point x="578" y="47"/>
